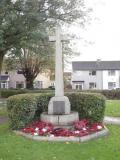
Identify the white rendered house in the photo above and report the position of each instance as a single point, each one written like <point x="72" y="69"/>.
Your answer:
<point x="95" y="75"/>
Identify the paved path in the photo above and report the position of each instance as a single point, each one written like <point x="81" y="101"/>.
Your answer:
<point x="3" y="101"/>
<point x="3" y="119"/>
<point x="112" y="120"/>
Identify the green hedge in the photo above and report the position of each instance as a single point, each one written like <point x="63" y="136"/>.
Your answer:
<point x="88" y="105"/>
<point x="21" y="110"/>
<point x="109" y="94"/>
<point x="26" y="107"/>
<point x="5" y="93"/>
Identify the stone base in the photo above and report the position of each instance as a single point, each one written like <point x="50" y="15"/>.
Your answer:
<point x="59" y="106"/>
<point x="60" y="120"/>
<point x="96" y="135"/>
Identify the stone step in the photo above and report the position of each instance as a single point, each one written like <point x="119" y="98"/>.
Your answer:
<point x="64" y="126"/>
<point x="60" y="120"/>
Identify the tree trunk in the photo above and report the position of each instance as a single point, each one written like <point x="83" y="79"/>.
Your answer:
<point x="29" y="76"/>
<point x="1" y="59"/>
<point x="29" y="83"/>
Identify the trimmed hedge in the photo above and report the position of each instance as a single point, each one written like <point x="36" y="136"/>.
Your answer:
<point x="89" y="105"/>
<point x="109" y="94"/>
<point x="27" y="107"/>
<point x="21" y="110"/>
<point x="5" y="93"/>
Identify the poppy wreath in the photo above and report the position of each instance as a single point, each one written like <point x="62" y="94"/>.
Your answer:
<point x="80" y="128"/>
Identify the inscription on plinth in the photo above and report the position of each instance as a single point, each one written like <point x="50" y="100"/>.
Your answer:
<point x="58" y="107"/>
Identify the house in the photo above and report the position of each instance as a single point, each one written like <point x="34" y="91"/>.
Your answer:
<point x="95" y="75"/>
<point x="15" y="79"/>
<point x="67" y="80"/>
<point x="4" y="81"/>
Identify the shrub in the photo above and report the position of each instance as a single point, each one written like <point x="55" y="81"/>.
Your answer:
<point x="5" y="93"/>
<point x="21" y="110"/>
<point x="42" y="103"/>
<point x="109" y="94"/>
<point x="89" y="105"/>
<point x="24" y="108"/>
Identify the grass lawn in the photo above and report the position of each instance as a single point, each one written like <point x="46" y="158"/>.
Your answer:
<point x="13" y="147"/>
<point x="113" y="108"/>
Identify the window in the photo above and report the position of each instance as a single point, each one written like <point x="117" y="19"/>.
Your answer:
<point x="53" y="84"/>
<point x="92" y="73"/>
<point x="19" y="84"/>
<point x="92" y="85"/>
<point x="111" y="72"/>
<point x="111" y="85"/>
<point x="41" y="84"/>
<point x="38" y="84"/>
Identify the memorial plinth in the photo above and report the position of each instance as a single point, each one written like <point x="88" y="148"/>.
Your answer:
<point x="59" y="112"/>
<point x="65" y="120"/>
<point x="59" y="105"/>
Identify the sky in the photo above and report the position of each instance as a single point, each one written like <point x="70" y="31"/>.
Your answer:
<point x="103" y="33"/>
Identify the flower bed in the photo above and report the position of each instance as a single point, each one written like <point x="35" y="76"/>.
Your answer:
<point x="80" y="128"/>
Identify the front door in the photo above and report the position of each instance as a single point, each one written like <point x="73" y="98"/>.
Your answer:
<point x="79" y="86"/>
<point x="4" y="85"/>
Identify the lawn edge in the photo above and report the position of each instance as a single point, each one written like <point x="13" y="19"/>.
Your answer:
<point x="96" y="135"/>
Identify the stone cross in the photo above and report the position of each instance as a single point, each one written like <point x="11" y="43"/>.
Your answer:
<point x="59" y="85"/>
<point x="58" y="104"/>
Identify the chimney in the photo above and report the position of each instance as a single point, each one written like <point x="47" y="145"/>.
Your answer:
<point x="98" y="60"/>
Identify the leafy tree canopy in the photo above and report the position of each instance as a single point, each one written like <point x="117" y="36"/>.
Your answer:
<point x="21" y="17"/>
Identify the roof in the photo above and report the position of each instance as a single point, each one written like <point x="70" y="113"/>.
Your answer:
<point x="4" y="78"/>
<point x="95" y="65"/>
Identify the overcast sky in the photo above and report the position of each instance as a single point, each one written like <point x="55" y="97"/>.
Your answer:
<point x="104" y="32"/>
